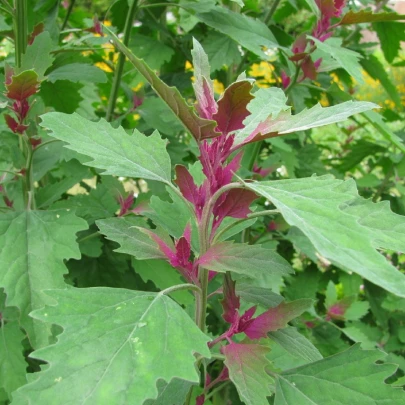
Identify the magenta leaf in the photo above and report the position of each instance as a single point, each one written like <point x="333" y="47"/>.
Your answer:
<point x="203" y="86"/>
<point x="247" y="364"/>
<point x="230" y="302"/>
<point x="232" y="106"/>
<point x="14" y="125"/>
<point x="22" y="86"/>
<point x="165" y="245"/>
<point x="276" y="318"/>
<point x="186" y="184"/>
<point x="338" y="309"/>
<point x="309" y="69"/>
<point x="236" y="204"/>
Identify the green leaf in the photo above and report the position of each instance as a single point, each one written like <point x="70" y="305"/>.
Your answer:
<point x="78" y="72"/>
<point x="258" y="295"/>
<point x="126" y="231"/>
<point x="63" y="96"/>
<point x="173" y="393"/>
<point x="119" y="346"/>
<point x="112" y="149"/>
<point x="247" y="364"/>
<point x="340" y="225"/>
<point x="249" y="32"/>
<point x="390" y="36"/>
<point x="37" y="56"/>
<point x="363" y="16"/>
<point x="153" y="52"/>
<point x="285" y="123"/>
<point x="200" y="128"/>
<point x="34" y="245"/>
<point x="347" y="59"/>
<point x="251" y="260"/>
<point x="221" y="50"/>
<point x="313" y="7"/>
<point x="12" y="362"/>
<point x="296" y="344"/>
<point x="377" y="71"/>
<point x="351" y="377"/>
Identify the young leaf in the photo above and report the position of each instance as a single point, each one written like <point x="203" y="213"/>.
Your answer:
<point x="120" y="344"/>
<point x="247" y="364"/>
<point x="200" y="128"/>
<point x="367" y="16"/>
<point x="22" y="85"/>
<point x="251" y="260"/>
<point x="276" y="318"/>
<point x="127" y="232"/>
<point x="112" y="149"/>
<point x="12" y="362"/>
<point x="296" y="344"/>
<point x="317" y="206"/>
<point x="348" y="377"/>
<point x="27" y="268"/>
<point x="232" y="106"/>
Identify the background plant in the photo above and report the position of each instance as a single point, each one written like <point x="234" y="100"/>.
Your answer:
<point x="204" y="242"/>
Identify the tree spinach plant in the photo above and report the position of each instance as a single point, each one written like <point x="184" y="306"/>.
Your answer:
<point x="190" y="290"/>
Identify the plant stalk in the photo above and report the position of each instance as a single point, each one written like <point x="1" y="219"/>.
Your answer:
<point x="69" y="11"/>
<point x="121" y="61"/>
<point x="20" y="29"/>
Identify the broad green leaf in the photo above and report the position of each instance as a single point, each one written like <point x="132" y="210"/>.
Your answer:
<point x="78" y="72"/>
<point x="296" y="344"/>
<point x="285" y="123"/>
<point x="377" y="122"/>
<point x="258" y="295"/>
<point x="347" y="59"/>
<point x="200" y="128"/>
<point x="63" y="96"/>
<point x="33" y="246"/>
<point x="12" y="362"/>
<point x="351" y="377"/>
<point x="154" y="53"/>
<point x="250" y="33"/>
<point x="126" y="231"/>
<point x="247" y="364"/>
<point x="363" y="16"/>
<point x="173" y="393"/>
<point x="112" y="149"/>
<point x="390" y="36"/>
<point x="37" y="56"/>
<point x="120" y="344"/>
<point x="250" y="260"/>
<point x="377" y="71"/>
<point x="221" y="50"/>
<point x="340" y="225"/>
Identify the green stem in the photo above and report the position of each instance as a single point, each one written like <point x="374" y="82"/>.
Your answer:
<point x="29" y="179"/>
<point x="181" y="287"/>
<point x="7" y="5"/>
<point x="69" y="11"/>
<point x="271" y="12"/>
<point x="20" y="29"/>
<point x="121" y="60"/>
<point x="46" y="143"/>
<point x="217" y="389"/>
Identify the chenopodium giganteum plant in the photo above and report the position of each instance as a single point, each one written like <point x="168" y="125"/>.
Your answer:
<point x="133" y="347"/>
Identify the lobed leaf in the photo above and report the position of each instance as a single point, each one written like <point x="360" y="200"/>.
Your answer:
<point x="112" y="149"/>
<point x="340" y="225"/>
<point x="119" y="344"/>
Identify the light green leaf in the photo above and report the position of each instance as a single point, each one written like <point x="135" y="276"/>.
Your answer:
<point x="341" y="226"/>
<point x="37" y="56"/>
<point x="296" y="344"/>
<point x="250" y="33"/>
<point x="247" y="364"/>
<point x="221" y="50"/>
<point x="258" y="295"/>
<point x="351" y="377"/>
<point x="33" y="245"/>
<point x="173" y="393"/>
<point x="126" y="231"/>
<point x="251" y="260"/>
<point x="112" y="149"/>
<point x="78" y="72"/>
<point x="120" y="343"/>
<point x="347" y="59"/>
<point x="12" y="363"/>
<point x="154" y="53"/>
